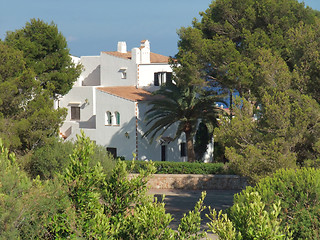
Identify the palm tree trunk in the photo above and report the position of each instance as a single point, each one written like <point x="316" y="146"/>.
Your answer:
<point x="190" y="147"/>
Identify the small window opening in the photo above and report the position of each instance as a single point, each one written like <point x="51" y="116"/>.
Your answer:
<point x="161" y="78"/>
<point x="75" y="113"/>
<point x="112" y="151"/>
<point x="123" y="72"/>
<point x="117" y="116"/>
<point x="108" y="120"/>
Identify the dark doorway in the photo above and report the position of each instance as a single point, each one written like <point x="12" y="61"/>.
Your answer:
<point x="113" y="151"/>
<point x="163" y="152"/>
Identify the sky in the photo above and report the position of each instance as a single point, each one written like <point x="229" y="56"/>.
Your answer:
<point x="97" y="25"/>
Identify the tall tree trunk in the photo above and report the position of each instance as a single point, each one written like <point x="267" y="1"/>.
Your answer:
<point x="190" y="147"/>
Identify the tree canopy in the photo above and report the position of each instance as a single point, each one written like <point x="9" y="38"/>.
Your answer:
<point x="268" y="53"/>
<point x="235" y="39"/>
<point x="35" y="66"/>
<point x="45" y="51"/>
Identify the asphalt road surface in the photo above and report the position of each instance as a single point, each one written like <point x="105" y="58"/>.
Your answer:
<point x="179" y="202"/>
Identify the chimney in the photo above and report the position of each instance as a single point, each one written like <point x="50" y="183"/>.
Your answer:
<point x="145" y="44"/>
<point x="122" y="47"/>
<point x="136" y="55"/>
<point x="145" y="51"/>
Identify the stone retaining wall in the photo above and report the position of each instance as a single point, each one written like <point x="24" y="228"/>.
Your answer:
<point x="196" y="181"/>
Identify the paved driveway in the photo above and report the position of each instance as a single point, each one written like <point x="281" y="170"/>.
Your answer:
<point x="179" y="202"/>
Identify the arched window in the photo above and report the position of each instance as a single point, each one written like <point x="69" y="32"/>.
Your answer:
<point x="117" y="116"/>
<point x="108" y="120"/>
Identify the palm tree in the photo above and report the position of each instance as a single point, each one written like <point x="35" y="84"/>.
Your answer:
<point x="185" y="106"/>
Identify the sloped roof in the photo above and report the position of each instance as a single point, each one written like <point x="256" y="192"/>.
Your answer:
<point x="128" y="92"/>
<point x="154" y="57"/>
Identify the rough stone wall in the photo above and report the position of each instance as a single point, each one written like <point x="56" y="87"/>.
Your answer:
<point x="196" y="182"/>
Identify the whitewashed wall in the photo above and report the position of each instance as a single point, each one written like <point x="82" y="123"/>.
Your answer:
<point x="90" y="75"/>
<point x="146" y="73"/>
<point x="152" y="151"/>
<point x="114" y="136"/>
<point x="84" y="97"/>
<point x="111" y="74"/>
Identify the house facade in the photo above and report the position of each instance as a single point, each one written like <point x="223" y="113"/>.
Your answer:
<point x="109" y="101"/>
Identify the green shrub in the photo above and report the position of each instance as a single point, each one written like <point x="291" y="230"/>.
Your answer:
<point x="84" y="203"/>
<point x="116" y="207"/>
<point x="183" y="167"/>
<point x="104" y="158"/>
<point x="49" y="159"/>
<point x="54" y="157"/>
<point x="299" y="193"/>
<point x="27" y="205"/>
<point x="249" y="220"/>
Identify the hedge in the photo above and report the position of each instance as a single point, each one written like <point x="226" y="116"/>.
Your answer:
<point x="183" y="167"/>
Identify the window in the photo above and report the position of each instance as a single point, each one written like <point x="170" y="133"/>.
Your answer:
<point x="168" y="78"/>
<point x="75" y="113"/>
<point x="108" y="118"/>
<point x="163" y="152"/>
<point x="183" y="152"/>
<point x="117" y="116"/>
<point x="112" y="151"/>
<point x="123" y="72"/>
<point x="161" y="78"/>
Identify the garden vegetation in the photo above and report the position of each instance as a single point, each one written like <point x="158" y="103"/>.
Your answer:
<point x="266" y="52"/>
<point x="83" y="202"/>
<point x="183" y="167"/>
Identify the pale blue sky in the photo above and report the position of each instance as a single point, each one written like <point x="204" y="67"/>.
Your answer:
<point x="97" y="25"/>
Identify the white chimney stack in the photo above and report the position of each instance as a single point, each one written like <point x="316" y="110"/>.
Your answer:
<point x="136" y="55"/>
<point x="145" y="51"/>
<point x="122" y="47"/>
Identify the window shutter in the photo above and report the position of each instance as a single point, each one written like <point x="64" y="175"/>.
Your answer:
<point x="75" y="113"/>
<point x="168" y="78"/>
<point x="156" y="79"/>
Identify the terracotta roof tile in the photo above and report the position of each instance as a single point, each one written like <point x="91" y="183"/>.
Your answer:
<point x="128" y="92"/>
<point x="154" y="57"/>
<point x="158" y="58"/>
<point x="119" y="54"/>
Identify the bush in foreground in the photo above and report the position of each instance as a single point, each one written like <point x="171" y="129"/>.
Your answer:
<point x="249" y="220"/>
<point x="298" y="191"/>
<point x="83" y="202"/>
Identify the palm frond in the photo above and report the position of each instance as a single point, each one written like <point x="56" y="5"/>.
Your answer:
<point x="181" y="105"/>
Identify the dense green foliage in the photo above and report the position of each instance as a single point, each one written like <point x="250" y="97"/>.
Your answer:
<point x="83" y="202"/>
<point x="182" y="107"/>
<point x="27" y="205"/>
<point x="45" y="51"/>
<point x="249" y="220"/>
<point x="27" y="117"/>
<point x="298" y="192"/>
<point x="267" y="52"/>
<point x="53" y="158"/>
<point x="182" y="167"/>
<point x="280" y="139"/>
<point x="34" y="66"/>
<point x="48" y="160"/>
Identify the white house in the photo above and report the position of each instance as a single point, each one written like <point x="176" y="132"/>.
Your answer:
<point x="108" y="102"/>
